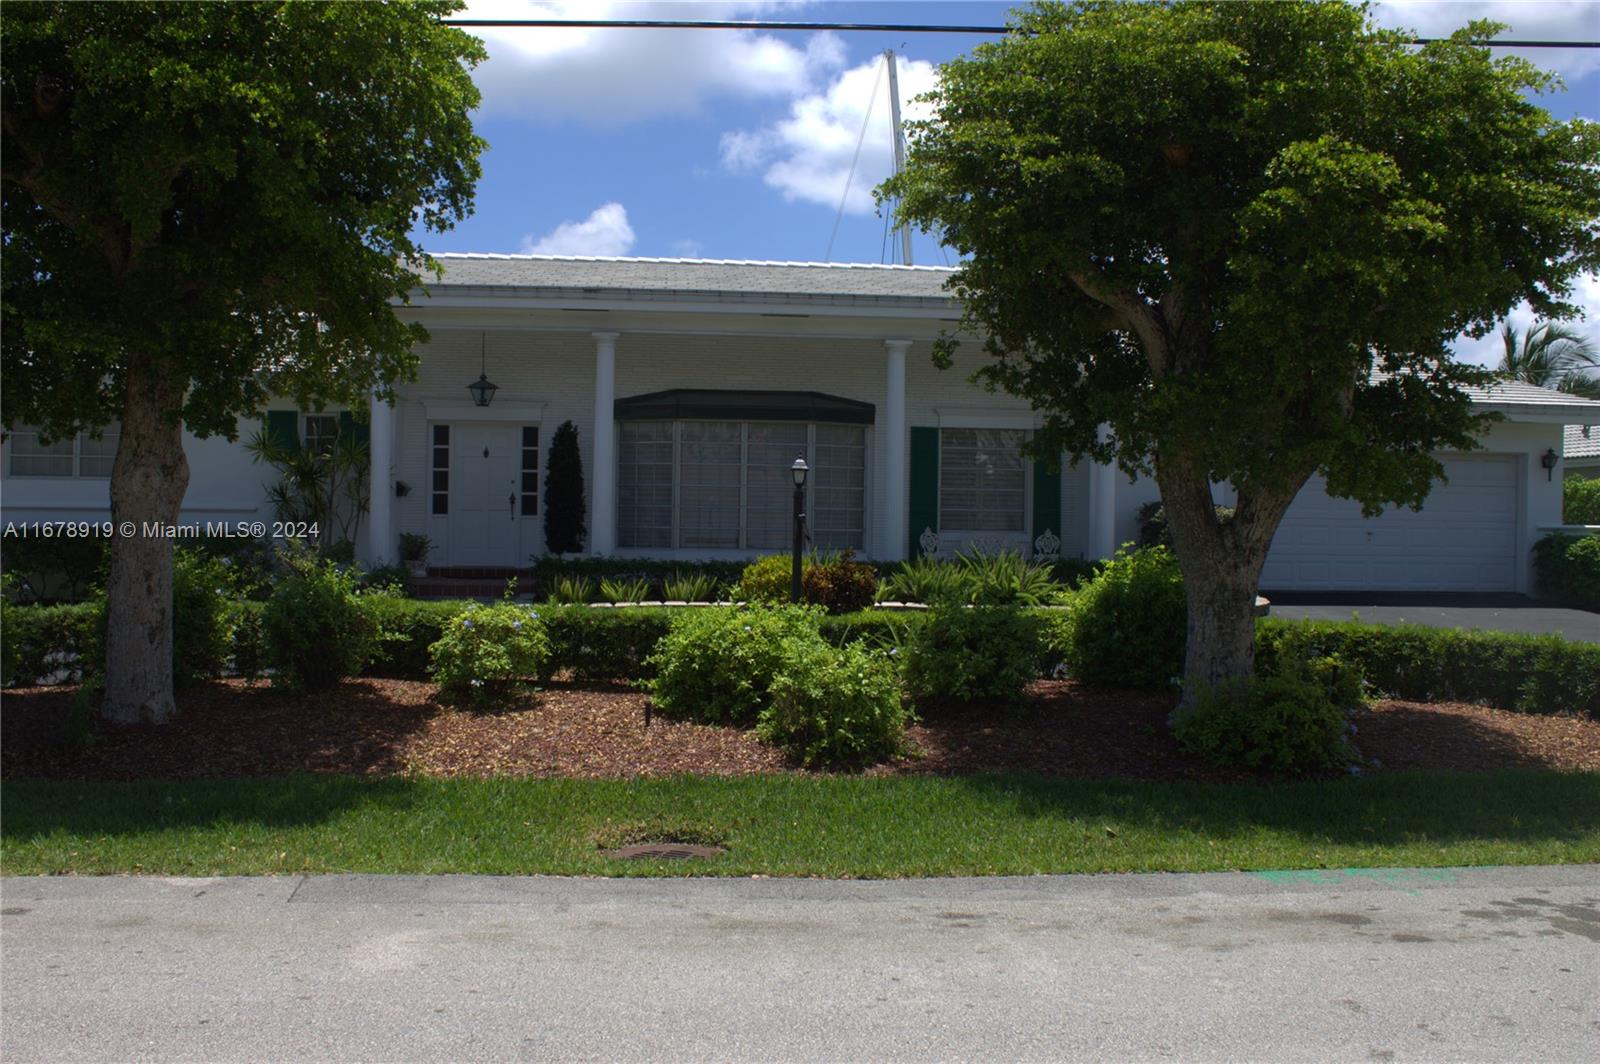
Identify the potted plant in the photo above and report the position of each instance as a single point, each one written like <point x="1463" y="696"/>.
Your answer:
<point x="414" y="548"/>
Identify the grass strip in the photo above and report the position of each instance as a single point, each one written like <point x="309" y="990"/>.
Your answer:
<point x="795" y="826"/>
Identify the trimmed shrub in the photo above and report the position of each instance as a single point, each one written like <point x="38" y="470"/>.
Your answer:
<point x="973" y="653"/>
<point x="202" y="636"/>
<point x="1126" y="626"/>
<point x="839" y="585"/>
<point x="768" y="579"/>
<point x="715" y="665"/>
<point x="834" y="708"/>
<point x="488" y="654"/>
<point x="1525" y="673"/>
<point x="1567" y="569"/>
<point x="402" y="631"/>
<point x="1284" y="723"/>
<point x="604" y="644"/>
<point x="316" y="632"/>
<point x="1580" y="501"/>
<point x="36" y="642"/>
<point x="563" y="493"/>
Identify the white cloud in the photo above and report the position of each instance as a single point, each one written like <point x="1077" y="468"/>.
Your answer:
<point x="605" y="232"/>
<point x="1487" y="350"/>
<point x="1532" y="20"/>
<point x="617" y="76"/>
<point x="806" y="155"/>
<point x="687" y="248"/>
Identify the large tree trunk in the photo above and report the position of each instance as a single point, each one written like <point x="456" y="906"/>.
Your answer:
<point x="1221" y="566"/>
<point x="148" y="480"/>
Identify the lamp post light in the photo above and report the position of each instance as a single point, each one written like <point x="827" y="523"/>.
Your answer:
<point x="1548" y="460"/>
<point x="798" y="471"/>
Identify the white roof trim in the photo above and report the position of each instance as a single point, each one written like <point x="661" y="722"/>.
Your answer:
<point x="691" y="262"/>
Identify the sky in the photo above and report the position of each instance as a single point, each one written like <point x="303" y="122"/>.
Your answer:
<point x="739" y="144"/>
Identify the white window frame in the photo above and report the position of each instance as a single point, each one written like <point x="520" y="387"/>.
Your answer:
<point x="112" y="431"/>
<point x="326" y="440"/>
<point x="1002" y="423"/>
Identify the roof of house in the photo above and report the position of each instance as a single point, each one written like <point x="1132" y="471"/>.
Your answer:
<point x="1581" y="441"/>
<point x="704" y="276"/>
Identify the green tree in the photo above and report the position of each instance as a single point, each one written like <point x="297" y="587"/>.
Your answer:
<point x="563" y="493"/>
<point x="1551" y="355"/>
<point x="1241" y="236"/>
<point x="204" y="204"/>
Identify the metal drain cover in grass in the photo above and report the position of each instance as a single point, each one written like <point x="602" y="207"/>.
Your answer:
<point x="664" y="851"/>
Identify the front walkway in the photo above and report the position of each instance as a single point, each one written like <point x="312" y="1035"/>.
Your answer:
<point x="1492" y="612"/>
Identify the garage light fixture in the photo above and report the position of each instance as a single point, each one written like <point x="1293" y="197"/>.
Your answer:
<point x="1548" y="460"/>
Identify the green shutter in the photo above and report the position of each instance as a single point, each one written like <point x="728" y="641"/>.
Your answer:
<point x="351" y="429"/>
<point x="283" y="428"/>
<point x="1046" y="498"/>
<point x="924" y="511"/>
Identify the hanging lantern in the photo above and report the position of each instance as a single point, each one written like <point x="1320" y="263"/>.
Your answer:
<point x="483" y="389"/>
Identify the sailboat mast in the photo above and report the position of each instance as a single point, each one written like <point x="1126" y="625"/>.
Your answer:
<point x="899" y="146"/>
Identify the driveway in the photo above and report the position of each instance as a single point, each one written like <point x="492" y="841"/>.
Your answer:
<point x="1499" y="613"/>
<point x="1426" y="964"/>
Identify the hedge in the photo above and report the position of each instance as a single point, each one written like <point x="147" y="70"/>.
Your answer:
<point x="1526" y="673"/>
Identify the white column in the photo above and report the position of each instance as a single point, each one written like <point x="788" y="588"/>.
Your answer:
<point x="380" y="484"/>
<point x="1102" y="508"/>
<point x="894" y="492"/>
<point x="603" y="478"/>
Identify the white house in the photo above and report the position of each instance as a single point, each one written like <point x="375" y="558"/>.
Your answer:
<point x="695" y="384"/>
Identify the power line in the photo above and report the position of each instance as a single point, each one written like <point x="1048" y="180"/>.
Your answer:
<point x="848" y="27"/>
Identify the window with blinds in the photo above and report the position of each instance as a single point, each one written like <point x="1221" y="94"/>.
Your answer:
<point x="727" y="484"/>
<point x="982" y="480"/>
<point x="80" y="456"/>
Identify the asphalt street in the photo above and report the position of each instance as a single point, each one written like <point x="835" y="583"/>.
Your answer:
<point x="1446" y="964"/>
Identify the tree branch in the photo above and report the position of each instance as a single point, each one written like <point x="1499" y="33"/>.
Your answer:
<point x="1134" y="313"/>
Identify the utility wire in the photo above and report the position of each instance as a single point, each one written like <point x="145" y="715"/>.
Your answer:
<point x="884" y="27"/>
<point x="871" y="100"/>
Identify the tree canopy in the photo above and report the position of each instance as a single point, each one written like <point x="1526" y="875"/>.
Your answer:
<point x="1241" y="236"/>
<point x="204" y="205"/>
<point x="226" y="192"/>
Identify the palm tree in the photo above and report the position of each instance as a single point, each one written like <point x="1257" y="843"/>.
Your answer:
<point x="1552" y="355"/>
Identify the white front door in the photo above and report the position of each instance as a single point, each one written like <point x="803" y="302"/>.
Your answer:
<point x="485" y="466"/>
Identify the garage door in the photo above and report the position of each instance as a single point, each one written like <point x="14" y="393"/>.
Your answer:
<point x="1463" y="539"/>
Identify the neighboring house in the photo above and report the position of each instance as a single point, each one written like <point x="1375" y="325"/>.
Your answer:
<point x="1581" y="451"/>
<point x="694" y="386"/>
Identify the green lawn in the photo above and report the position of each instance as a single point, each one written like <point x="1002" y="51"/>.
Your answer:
<point x="795" y="826"/>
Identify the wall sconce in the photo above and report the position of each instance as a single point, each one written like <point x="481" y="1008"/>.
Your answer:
<point x="401" y="489"/>
<point x="482" y="389"/>
<point x="1548" y="460"/>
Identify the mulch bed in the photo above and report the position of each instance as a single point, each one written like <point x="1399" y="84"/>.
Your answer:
<point x="391" y="727"/>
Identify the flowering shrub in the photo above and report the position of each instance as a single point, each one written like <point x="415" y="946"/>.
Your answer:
<point x="489" y="653"/>
<point x="838" y="708"/>
<point x="717" y="664"/>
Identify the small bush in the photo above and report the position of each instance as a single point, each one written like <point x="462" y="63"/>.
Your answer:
<point x="488" y="654"/>
<point x="1006" y="578"/>
<point x="768" y="579"/>
<point x="1284" y="723"/>
<point x="624" y="591"/>
<point x="1126" y="626"/>
<point x="202" y="635"/>
<point x="1073" y="573"/>
<point x="316" y="632"/>
<point x="248" y="655"/>
<point x="41" y="641"/>
<point x="1580" y="501"/>
<point x="716" y="665"/>
<point x="1567" y="569"/>
<point x="884" y="630"/>
<point x="548" y="568"/>
<point x="834" y="708"/>
<point x="572" y="590"/>
<point x="840" y="585"/>
<point x="973" y="653"/>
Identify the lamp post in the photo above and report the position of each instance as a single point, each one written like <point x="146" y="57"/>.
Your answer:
<point x="798" y="471"/>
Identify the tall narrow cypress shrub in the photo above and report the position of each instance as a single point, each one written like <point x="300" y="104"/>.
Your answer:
<point x="563" y="493"/>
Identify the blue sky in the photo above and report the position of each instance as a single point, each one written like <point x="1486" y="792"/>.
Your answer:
<point x="738" y="144"/>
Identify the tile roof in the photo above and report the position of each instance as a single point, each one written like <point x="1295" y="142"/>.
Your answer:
<point x="1578" y="445"/>
<point x="679" y="276"/>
